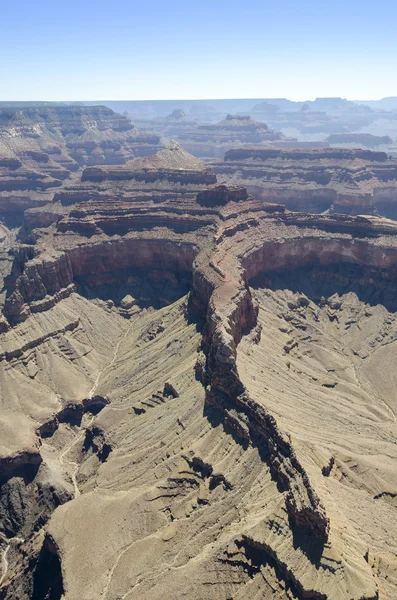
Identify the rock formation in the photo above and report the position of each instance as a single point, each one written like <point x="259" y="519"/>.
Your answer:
<point x="322" y="116"/>
<point x="359" y="139"/>
<point x="87" y="135"/>
<point x="214" y="140"/>
<point x="342" y="180"/>
<point x="309" y="122"/>
<point x="194" y="403"/>
<point x="40" y="147"/>
<point x="172" y="125"/>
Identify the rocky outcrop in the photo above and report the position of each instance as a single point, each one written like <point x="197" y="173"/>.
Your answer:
<point x="39" y="282"/>
<point x="315" y="180"/>
<point x="205" y="456"/>
<point x="81" y="134"/>
<point x="212" y="141"/>
<point x="221" y="194"/>
<point x="40" y="148"/>
<point x="310" y="154"/>
<point x="171" y="164"/>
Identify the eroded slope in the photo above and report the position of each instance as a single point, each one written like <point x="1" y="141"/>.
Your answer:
<point x="172" y="443"/>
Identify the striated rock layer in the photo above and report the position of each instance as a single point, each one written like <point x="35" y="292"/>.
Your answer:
<point x="196" y="382"/>
<point x="347" y="181"/>
<point x="213" y="140"/>
<point x="41" y="147"/>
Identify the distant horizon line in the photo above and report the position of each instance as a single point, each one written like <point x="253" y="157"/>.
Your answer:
<point x="206" y="99"/>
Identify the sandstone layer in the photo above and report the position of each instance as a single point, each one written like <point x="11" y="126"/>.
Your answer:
<point x="310" y="122"/>
<point x="349" y="181"/>
<point x="40" y="147"/>
<point x="196" y="379"/>
<point x="213" y="140"/>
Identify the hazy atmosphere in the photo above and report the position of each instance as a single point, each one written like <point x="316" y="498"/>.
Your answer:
<point x="129" y="50"/>
<point x="198" y="300"/>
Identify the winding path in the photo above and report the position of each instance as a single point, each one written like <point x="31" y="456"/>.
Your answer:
<point x="91" y="394"/>
<point x="4" y="561"/>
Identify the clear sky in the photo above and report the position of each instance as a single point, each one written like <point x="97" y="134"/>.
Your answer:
<point x="159" y="49"/>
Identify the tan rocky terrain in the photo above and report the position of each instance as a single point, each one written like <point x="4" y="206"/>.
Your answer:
<point x="198" y="398"/>
<point x="213" y="140"/>
<point x="41" y="147"/>
<point x="349" y="181"/>
<point x="367" y="125"/>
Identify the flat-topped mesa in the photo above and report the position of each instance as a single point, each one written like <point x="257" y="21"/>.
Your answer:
<point x="299" y="154"/>
<point x="169" y="164"/>
<point x="235" y="128"/>
<point x="237" y="125"/>
<point x="246" y="118"/>
<point x="364" y="139"/>
<point x="344" y="180"/>
<point x="214" y="139"/>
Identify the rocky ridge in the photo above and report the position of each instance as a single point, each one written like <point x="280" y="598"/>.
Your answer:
<point x="213" y="140"/>
<point x="41" y="147"/>
<point x="131" y="317"/>
<point x="349" y="181"/>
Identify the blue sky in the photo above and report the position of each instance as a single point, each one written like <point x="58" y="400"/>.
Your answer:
<point x="300" y="49"/>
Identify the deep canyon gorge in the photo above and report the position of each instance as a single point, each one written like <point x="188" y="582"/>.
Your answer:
<point x="197" y="341"/>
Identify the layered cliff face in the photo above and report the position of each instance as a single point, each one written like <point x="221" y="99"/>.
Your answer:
<point x="334" y="120"/>
<point x="117" y="192"/>
<point x="316" y="180"/>
<point x="310" y="122"/>
<point x="41" y="147"/>
<point x="194" y="378"/>
<point x="214" y="140"/>
<point x="87" y="135"/>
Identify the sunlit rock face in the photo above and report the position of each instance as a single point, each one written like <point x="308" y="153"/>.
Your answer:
<point x="343" y="180"/>
<point x="42" y="147"/>
<point x="195" y="401"/>
<point x="213" y="140"/>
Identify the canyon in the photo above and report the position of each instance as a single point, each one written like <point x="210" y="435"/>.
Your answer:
<point x="213" y="140"/>
<point x="195" y="360"/>
<point x="343" y="180"/>
<point x="42" y="146"/>
<point x="366" y="125"/>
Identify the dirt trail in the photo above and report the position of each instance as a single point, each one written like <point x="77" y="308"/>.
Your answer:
<point x="91" y="393"/>
<point x="4" y="561"/>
